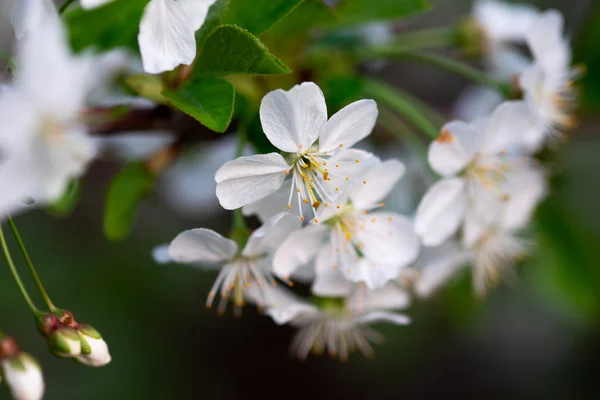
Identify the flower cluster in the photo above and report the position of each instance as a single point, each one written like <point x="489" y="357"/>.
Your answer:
<point x="321" y="200"/>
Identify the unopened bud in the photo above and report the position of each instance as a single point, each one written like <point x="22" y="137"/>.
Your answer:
<point x="22" y="373"/>
<point x="94" y="350"/>
<point x="64" y="342"/>
<point x="470" y="38"/>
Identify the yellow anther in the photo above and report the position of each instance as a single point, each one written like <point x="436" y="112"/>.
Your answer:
<point x="348" y="236"/>
<point x="334" y="266"/>
<point x="298" y="190"/>
<point x="289" y="206"/>
<point x="364" y="213"/>
<point x="373" y="220"/>
<point x="341" y="145"/>
<point x="337" y="165"/>
<point x="338" y="206"/>
<point x="316" y="204"/>
<point x="357" y="160"/>
<point x="365" y="182"/>
<point x="326" y="204"/>
<point x="316" y="221"/>
<point x="445" y="137"/>
<point x="305" y="201"/>
<point x="325" y="175"/>
<point x="389" y="218"/>
<point x="382" y="204"/>
<point x="347" y="178"/>
<point x="337" y="189"/>
<point x="302" y="218"/>
<point x="324" y="163"/>
<point x="287" y="172"/>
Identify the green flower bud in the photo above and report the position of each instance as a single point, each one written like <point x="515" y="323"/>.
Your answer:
<point x="64" y="342"/>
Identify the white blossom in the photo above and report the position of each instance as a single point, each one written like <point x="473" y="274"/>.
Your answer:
<point x="238" y="270"/>
<point x="24" y="377"/>
<point x="317" y="158"/>
<point x="548" y="84"/>
<point x="339" y="326"/>
<point x="43" y="143"/>
<point x="89" y="4"/>
<point x="363" y="246"/>
<point x="479" y="164"/>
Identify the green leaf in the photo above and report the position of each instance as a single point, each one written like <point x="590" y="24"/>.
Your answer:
<point x="148" y="86"/>
<point x="307" y="15"/>
<point x="209" y="100"/>
<point x="214" y="18"/>
<point x="68" y="201"/>
<point x="258" y="15"/>
<point x="124" y="194"/>
<point x="230" y="49"/>
<point x="115" y="24"/>
<point x="361" y="11"/>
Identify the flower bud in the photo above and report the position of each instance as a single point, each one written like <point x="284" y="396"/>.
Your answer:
<point x="64" y="342"/>
<point x="24" y="377"/>
<point x="20" y="370"/>
<point x="94" y="350"/>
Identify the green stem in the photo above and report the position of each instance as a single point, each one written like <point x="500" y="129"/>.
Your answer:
<point x="402" y="132"/>
<point x="15" y="274"/>
<point x="442" y="62"/>
<point x="395" y="100"/>
<point x="65" y="5"/>
<point x="425" y="38"/>
<point x="7" y="58"/>
<point x="34" y="273"/>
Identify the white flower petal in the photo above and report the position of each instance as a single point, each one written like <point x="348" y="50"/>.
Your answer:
<point x="329" y="281"/>
<point x="389" y="239"/>
<point x="284" y="306"/>
<point x="89" y="4"/>
<point x="273" y="204"/>
<point x="547" y="44"/>
<point x="388" y="297"/>
<point x="373" y="275"/>
<point x="382" y="316"/>
<point x="441" y="211"/>
<point x="167" y="31"/>
<point x="503" y="21"/>
<point x="269" y="236"/>
<point x="518" y="210"/>
<point x="28" y="15"/>
<point x="507" y="127"/>
<point x="292" y="120"/>
<point x="247" y="179"/>
<point x="298" y="249"/>
<point x="476" y="102"/>
<point x="454" y="148"/>
<point x="201" y="246"/>
<point x="376" y="184"/>
<point x="348" y="126"/>
<point x="440" y="266"/>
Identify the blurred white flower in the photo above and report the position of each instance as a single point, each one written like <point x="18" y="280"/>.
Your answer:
<point x="28" y="15"/>
<point x="43" y="143"/>
<point x="24" y="377"/>
<point x="548" y="84"/>
<point x="339" y="326"/>
<point x="167" y="33"/>
<point x="238" y="269"/>
<point x="296" y="123"/>
<point x="364" y="247"/>
<point x="503" y="26"/>
<point x="479" y="168"/>
<point x="108" y="68"/>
